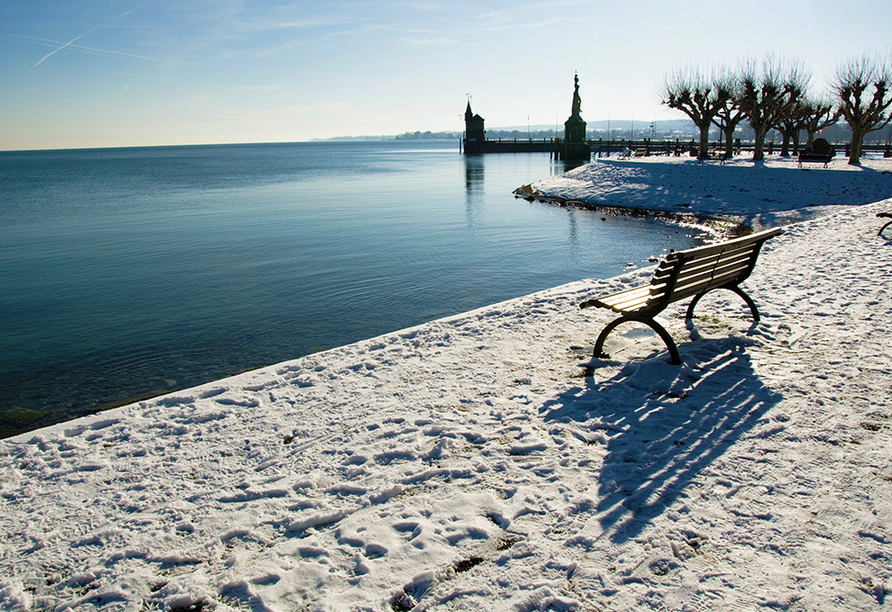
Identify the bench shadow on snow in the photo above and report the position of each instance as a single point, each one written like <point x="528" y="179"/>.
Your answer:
<point x="664" y="426"/>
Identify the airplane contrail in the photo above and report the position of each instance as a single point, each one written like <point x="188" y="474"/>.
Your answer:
<point x="54" y="51"/>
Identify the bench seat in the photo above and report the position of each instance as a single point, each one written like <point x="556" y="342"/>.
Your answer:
<point x="820" y="159"/>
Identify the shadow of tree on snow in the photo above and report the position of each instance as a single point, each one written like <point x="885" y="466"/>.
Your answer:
<point x="663" y="425"/>
<point x="772" y="193"/>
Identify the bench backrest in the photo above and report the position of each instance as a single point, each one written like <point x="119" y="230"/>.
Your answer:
<point x="694" y="271"/>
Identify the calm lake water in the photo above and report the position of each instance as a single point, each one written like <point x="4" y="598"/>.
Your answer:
<point x="131" y="272"/>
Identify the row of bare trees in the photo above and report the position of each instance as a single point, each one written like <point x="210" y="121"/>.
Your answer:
<point x="774" y="94"/>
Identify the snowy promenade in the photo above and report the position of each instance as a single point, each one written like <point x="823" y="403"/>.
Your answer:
<point x="467" y="464"/>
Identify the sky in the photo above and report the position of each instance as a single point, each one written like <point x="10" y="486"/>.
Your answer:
<point x="80" y="74"/>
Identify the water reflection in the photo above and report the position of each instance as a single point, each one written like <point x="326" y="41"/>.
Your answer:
<point x="474" y="192"/>
<point x="573" y="234"/>
<point x="569" y="164"/>
<point x="475" y="175"/>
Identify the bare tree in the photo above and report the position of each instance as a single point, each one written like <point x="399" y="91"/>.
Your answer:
<point x="790" y="124"/>
<point x="861" y="86"/>
<point x="729" y="114"/>
<point x="818" y="114"/>
<point x="766" y="94"/>
<point x="689" y="91"/>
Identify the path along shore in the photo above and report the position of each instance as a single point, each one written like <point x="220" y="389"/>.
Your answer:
<point x="468" y="464"/>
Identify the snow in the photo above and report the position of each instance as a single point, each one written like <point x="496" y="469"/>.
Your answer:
<point x="767" y="194"/>
<point x="470" y="464"/>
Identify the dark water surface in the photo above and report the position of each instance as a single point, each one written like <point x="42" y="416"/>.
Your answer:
<point x="131" y="272"/>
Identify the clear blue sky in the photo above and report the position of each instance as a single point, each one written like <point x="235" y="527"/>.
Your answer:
<point x="76" y="73"/>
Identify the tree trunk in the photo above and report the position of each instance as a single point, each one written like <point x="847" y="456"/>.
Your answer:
<point x="855" y="152"/>
<point x="785" y="146"/>
<point x="729" y="141"/>
<point x="704" y="140"/>
<point x="759" y="148"/>
<point x="796" y="143"/>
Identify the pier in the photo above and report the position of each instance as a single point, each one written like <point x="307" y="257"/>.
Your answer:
<point x="634" y="148"/>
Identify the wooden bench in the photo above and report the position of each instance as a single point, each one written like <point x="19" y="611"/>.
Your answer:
<point x="887" y="215"/>
<point x="821" y="152"/>
<point x="683" y="274"/>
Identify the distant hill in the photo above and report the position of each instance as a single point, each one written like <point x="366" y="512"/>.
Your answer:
<point x="596" y="129"/>
<point x="670" y="129"/>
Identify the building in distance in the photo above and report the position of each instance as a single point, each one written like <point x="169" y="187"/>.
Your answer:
<point x="574" y="145"/>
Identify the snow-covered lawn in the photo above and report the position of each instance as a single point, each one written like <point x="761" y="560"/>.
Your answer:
<point x="467" y="464"/>
<point x="768" y="194"/>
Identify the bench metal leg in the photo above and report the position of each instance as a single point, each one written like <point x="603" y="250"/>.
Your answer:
<point x="674" y="357"/>
<point x="749" y="302"/>
<point x="880" y="233"/>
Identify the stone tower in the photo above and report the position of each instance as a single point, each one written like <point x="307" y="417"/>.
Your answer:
<point x="575" y="146"/>
<point x="475" y="135"/>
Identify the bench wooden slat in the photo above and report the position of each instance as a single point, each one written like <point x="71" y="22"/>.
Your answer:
<point x="633" y="302"/>
<point x="705" y="273"/>
<point x="685" y="291"/>
<point x="714" y="275"/>
<point x="693" y="267"/>
<point x="706" y="282"/>
<point x="729" y="245"/>
<point x="625" y="300"/>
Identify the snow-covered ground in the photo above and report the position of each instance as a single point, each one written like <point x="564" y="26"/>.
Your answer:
<point x="468" y="464"/>
<point x="763" y="195"/>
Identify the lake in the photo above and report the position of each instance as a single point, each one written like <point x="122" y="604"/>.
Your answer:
<point x="131" y="272"/>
